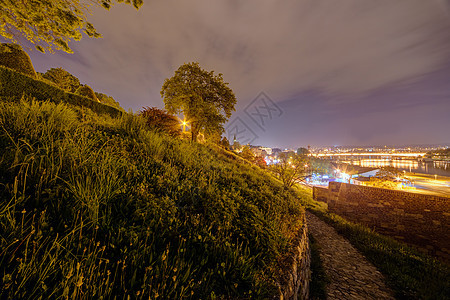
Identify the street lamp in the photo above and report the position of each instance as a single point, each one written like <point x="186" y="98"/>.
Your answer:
<point x="184" y="123"/>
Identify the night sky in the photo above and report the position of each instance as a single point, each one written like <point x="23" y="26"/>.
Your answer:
<point x="348" y="72"/>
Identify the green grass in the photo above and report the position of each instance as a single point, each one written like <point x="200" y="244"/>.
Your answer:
<point x="409" y="273"/>
<point x="92" y="207"/>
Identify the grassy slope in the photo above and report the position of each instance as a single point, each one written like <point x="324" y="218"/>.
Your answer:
<point x="411" y="274"/>
<point x="93" y="206"/>
<point x="13" y="85"/>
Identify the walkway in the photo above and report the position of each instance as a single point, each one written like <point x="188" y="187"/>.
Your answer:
<point x="351" y="275"/>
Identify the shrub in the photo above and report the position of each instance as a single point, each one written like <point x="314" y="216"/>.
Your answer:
<point x="86" y="91"/>
<point x="108" y="100"/>
<point x="161" y="120"/>
<point x="13" y="57"/>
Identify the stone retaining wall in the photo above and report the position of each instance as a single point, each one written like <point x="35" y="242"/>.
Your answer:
<point x="320" y="193"/>
<point x="299" y="275"/>
<point x="417" y="219"/>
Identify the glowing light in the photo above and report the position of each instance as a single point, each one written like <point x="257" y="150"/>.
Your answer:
<point x="390" y="154"/>
<point x="184" y="123"/>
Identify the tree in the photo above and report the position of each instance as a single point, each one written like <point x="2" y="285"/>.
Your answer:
<point x="247" y="154"/>
<point x="290" y="169"/>
<point x="50" y="25"/>
<point x="204" y="98"/>
<point x="214" y="137"/>
<point x="260" y="162"/>
<point x="161" y="120"/>
<point x="302" y="151"/>
<point x="225" y="143"/>
<point x="62" y="79"/>
<point x="320" y="165"/>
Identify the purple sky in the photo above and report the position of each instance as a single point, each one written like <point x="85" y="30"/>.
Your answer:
<point x="348" y="72"/>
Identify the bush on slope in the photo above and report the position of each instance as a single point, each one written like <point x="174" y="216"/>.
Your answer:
<point x="13" y="57"/>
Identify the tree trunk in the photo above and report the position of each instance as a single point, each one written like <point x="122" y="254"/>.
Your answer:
<point x="194" y="132"/>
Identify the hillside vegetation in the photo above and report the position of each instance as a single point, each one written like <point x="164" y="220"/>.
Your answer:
<point x="94" y="207"/>
<point x="18" y="78"/>
<point x="14" y="85"/>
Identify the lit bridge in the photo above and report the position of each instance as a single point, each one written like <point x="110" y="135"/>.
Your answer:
<point x="372" y="154"/>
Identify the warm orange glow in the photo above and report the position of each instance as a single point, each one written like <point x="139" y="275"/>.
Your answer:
<point x="184" y="123"/>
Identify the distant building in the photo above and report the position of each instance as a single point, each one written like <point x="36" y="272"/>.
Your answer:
<point x="259" y="152"/>
<point x="370" y="173"/>
<point x="363" y="177"/>
<point x="276" y="150"/>
<point x="267" y="149"/>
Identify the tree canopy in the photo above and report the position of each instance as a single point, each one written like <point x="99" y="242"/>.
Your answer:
<point x="50" y="25"/>
<point x="225" y="143"/>
<point x="302" y="151"/>
<point x="320" y="166"/>
<point x="62" y="79"/>
<point x="204" y="98"/>
<point x="290" y="168"/>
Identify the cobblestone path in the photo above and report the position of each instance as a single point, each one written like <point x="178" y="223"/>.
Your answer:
<point x="350" y="275"/>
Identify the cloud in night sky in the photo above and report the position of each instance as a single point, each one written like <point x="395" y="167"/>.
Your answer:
<point x="345" y="51"/>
